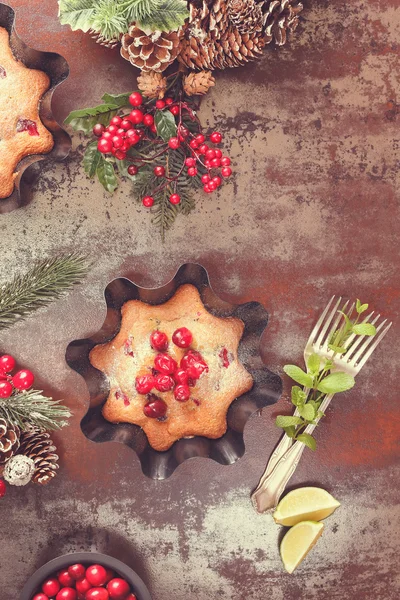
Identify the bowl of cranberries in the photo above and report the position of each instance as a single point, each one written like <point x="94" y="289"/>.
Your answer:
<point x="85" y="576"/>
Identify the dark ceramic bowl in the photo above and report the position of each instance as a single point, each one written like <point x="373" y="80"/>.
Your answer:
<point x="33" y="584"/>
<point x="57" y="69"/>
<point x="230" y="447"/>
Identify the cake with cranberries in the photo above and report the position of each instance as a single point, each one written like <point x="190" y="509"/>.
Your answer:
<point x="173" y="369"/>
<point x="21" y="131"/>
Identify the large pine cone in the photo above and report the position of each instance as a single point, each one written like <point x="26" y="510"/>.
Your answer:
<point x="213" y="41"/>
<point x="37" y="445"/>
<point x="246" y="15"/>
<point x="280" y="16"/>
<point x="9" y="440"/>
<point x="152" y="52"/>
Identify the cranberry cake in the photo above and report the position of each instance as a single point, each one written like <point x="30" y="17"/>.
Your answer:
<point x="173" y="369"/>
<point x="21" y="130"/>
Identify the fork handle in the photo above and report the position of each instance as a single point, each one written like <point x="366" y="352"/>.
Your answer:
<point x="267" y="495"/>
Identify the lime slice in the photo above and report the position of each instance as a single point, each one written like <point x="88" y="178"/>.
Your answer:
<point x="298" y="542"/>
<point x="305" y="504"/>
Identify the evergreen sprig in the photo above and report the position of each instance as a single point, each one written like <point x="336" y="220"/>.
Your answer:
<point x="319" y="380"/>
<point x="46" y="281"/>
<point x="31" y="408"/>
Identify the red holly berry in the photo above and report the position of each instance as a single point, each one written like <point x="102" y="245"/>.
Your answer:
<point x="207" y="189"/>
<point x="116" y="121"/>
<point x="148" y="201"/>
<point x="51" y="587"/>
<point x="159" y="171"/>
<point x="210" y="154"/>
<point x="182" y="393"/>
<point x="126" y="124"/>
<point x="218" y="153"/>
<point x="160" y="104"/>
<point x="133" y="170"/>
<point x="3" y="488"/>
<point x="165" y="363"/>
<point x="193" y="144"/>
<point x="190" y="162"/>
<point x="164" y="383"/>
<point x="192" y="171"/>
<point x="136" y="99"/>
<point x="226" y="171"/>
<point x="143" y="384"/>
<point x="104" y="145"/>
<point x="117" y="141"/>
<point x="215" y="163"/>
<point x="212" y="186"/>
<point x="136" y="116"/>
<point x="174" y="143"/>
<point x="121" y="131"/>
<point x="169" y="101"/>
<point x="65" y="578"/>
<point x="82" y="586"/>
<point x="23" y="380"/>
<point x="67" y="593"/>
<point x="148" y="120"/>
<point x="217" y="180"/>
<point x="97" y="593"/>
<point x="183" y="132"/>
<point x="96" y="574"/>
<point x="175" y="198"/>
<point x="182" y="337"/>
<point x="120" y="155"/>
<point x="98" y="130"/>
<point x="154" y="409"/>
<point x="205" y="178"/>
<point x="174" y="110"/>
<point x="225" y="161"/>
<point x="181" y="376"/>
<point x="7" y="363"/>
<point x="77" y="571"/>
<point x="153" y="128"/>
<point x="159" y="340"/>
<point x="216" y="137"/>
<point x="40" y="597"/>
<point x="203" y="149"/>
<point x="131" y="597"/>
<point x="132" y="136"/>
<point x="200" y="139"/>
<point x="118" y="588"/>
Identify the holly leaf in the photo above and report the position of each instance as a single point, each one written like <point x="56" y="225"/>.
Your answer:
<point x="298" y="375"/>
<point x="307" y="412"/>
<point x="283" y="421"/>
<point x="86" y="118"/>
<point x="119" y="100"/>
<point x="336" y="382"/>
<point x="106" y="174"/>
<point x="78" y="14"/>
<point x="364" y="329"/>
<point x="165" y="124"/>
<point x="360" y="308"/>
<point x="298" y="396"/>
<point x="307" y="440"/>
<point x="313" y="364"/>
<point x="91" y="159"/>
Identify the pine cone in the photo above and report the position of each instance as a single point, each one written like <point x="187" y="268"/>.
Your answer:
<point x="246" y="15"/>
<point x="197" y="84"/>
<point x="9" y="441"/>
<point x="212" y="41"/>
<point x="280" y="17"/>
<point x="37" y="445"/>
<point x="100" y="39"/>
<point x="152" y="84"/>
<point x="152" y="52"/>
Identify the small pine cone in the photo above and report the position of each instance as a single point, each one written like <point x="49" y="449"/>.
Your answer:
<point x="152" y="52"/>
<point x="100" y="39"/>
<point x="152" y="84"/>
<point x="197" y="84"/>
<point x="9" y="440"/>
<point x="280" y="17"/>
<point x="245" y="15"/>
<point x="37" y="445"/>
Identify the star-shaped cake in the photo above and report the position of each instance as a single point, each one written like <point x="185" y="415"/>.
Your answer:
<point x="173" y="369"/>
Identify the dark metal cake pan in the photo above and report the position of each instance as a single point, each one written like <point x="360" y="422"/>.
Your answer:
<point x="230" y="447"/>
<point x="56" y="67"/>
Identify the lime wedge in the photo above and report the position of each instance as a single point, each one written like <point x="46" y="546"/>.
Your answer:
<point x="305" y="504"/>
<point x="298" y="542"/>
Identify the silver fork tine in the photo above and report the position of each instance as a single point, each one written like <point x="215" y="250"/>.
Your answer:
<point x="319" y="322"/>
<point x="328" y="321"/>
<point x="368" y="342"/>
<point x="360" y="338"/>
<point x="373" y="346"/>
<point x="333" y="327"/>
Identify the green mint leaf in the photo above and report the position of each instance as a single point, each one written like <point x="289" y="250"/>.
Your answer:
<point x="360" y="308"/>
<point x="313" y="364"/>
<point x="91" y="159"/>
<point x="320" y="414"/>
<point x="106" y="174"/>
<point x="283" y="421"/>
<point x="364" y="329"/>
<point x="307" y="440"/>
<point x="328" y="365"/>
<point x="86" y="118"/>
<point x="337" y="349"/>
<point x="159" y="15"/>
<point x="78" y="14"/>
<point x="119" y="100"/>
<point x="307" y="412"/>
<point x="298" y="396"/>
<point x="290" y="431"/>
<point x="336" y="382"/>
<point x="165" y="124"/>
<point x="298" y="375"/>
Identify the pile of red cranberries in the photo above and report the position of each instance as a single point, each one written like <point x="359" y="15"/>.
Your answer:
<point x="22" y="380"/>
<point x="78" y="582"/>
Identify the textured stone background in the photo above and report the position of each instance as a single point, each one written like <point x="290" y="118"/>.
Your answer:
<point x="313" y="210"/>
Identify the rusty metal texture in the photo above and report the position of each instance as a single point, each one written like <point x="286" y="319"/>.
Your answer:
<point x="313" y="210"/>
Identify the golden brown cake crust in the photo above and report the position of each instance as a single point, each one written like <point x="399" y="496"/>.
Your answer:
<point x="214" y="391"/>
<point x="20" y="92"/>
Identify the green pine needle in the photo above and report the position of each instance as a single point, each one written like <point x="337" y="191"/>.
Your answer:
<point x="31" y="408"/>
<point x="45" y="282"/>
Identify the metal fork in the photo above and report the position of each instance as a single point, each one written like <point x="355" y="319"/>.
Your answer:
<point x="286" y="456"/>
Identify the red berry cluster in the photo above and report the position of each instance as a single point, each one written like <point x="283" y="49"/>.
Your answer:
<point x="167" y="375"/>
<point x="211" y="159"/>
<point x="22" y="380"/>
<point x="80" y="583"/>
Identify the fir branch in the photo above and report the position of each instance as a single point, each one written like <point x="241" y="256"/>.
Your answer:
<point x="45" y="282"/>
<point x="31" y="408"/>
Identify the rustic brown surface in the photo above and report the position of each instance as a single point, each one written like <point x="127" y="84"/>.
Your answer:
<point x="314" y="210"/>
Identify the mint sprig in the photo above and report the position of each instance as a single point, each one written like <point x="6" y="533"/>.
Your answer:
<point x="319" y="380"/>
